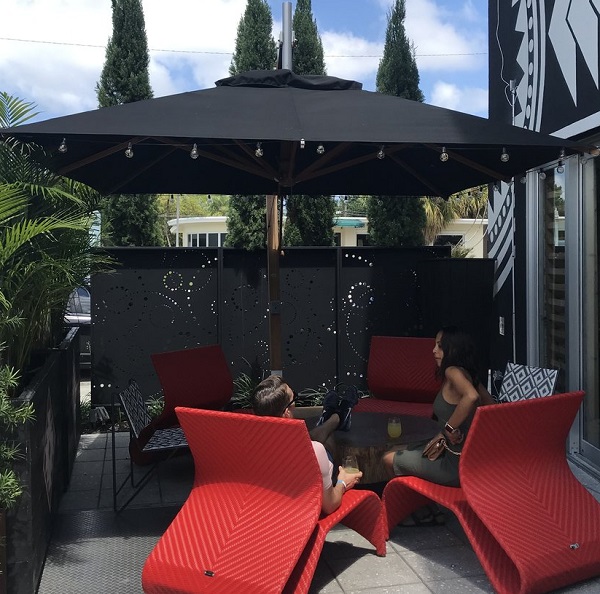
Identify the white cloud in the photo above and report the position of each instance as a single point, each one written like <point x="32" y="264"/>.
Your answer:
<point x="346" y="56"/>
<point x="443" y="42"/>
<point x="465" y="99"/>
<point x="197" y="38"/>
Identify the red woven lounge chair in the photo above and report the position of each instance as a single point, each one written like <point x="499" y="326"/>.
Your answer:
<point x="400" y="376"/>
<point x="252" y="518"/>
<point x="533" y="526"/>
<point x="195" y="378"/>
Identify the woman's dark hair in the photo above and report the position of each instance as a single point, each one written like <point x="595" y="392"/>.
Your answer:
<point x="459" y="351"/>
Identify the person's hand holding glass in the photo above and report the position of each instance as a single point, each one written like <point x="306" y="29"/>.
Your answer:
<point x="349" y="471"/>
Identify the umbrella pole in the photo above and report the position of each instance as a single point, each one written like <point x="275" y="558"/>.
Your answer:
<point x="273" y="281"/>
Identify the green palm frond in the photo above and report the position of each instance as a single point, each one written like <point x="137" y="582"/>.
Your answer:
<point x="15" y="111"/>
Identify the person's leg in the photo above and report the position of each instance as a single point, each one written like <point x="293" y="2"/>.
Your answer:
<point x="330" y="407"/>
<point x="348" y="401"/>
<point x="322" y="432"/>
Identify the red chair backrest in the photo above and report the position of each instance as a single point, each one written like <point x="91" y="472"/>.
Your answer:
<point x="257" y="495"/>
<point x="514" y="474"/>
<point x="402" y="368"/>
<point x="196" y="378"/>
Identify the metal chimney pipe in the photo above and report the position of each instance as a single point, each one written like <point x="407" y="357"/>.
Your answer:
<point x="286" y="36"/>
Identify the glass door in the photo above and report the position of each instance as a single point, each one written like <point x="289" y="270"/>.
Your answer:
<point x="553" y="280"/>
<point x="589" y="427"/>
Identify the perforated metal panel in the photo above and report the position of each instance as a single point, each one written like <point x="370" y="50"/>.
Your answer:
<point x="332" y="301"/>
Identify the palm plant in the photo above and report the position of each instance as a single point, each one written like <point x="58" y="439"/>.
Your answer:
<point x="45" y="245"/>
<point x="466" y="204"/>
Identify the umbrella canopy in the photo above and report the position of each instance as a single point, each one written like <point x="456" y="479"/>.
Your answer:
<point x="274" y="132"/>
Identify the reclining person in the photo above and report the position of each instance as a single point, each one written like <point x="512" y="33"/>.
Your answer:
<point x="274" y="398"/>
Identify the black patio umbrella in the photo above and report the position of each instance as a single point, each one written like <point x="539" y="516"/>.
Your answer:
<point x="274" y="132"/>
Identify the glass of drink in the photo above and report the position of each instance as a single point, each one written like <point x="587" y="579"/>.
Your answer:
<point x="394" y="427"/>
<point x="350" y="464"/>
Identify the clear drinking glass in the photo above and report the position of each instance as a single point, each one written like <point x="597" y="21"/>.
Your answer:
<point x="350" y="464"/>
<point x="394" y="427"/>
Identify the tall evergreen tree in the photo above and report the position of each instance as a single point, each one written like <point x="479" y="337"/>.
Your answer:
<point x="309" y="218"/>
<point x="307" y="55"/>
<point x="131" y="219"/>
<point x="255" y="49"/>
<point x="397" y="220"/>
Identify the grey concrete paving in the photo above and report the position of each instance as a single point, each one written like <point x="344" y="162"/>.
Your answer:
<point x="96" y="551"/>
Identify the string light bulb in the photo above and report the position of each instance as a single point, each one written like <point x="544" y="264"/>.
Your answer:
<point x="542" y="174"/>
<point x="381" y="153"/>
<point x="129" y="151"/>
<point x="194" y="152"/>
<point x="504" y="156"/>
<point x="62" y="147"/>
<point x="302" y="143"/>
<point x="443" y="155"/>
<point x="561" y="167"/>
<point x="320" y="149"/>
<point x="259" y="152"/>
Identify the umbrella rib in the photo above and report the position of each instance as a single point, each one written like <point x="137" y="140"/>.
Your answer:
<point x="306" y="173"/>
<point x="417" y="176"/>
<point x="231" y="160"/>
<point x="482" y="168"/>
<point x="140" y="170"/>
<point x="313" y="167"/>
<point x="271" y="173"/>
<point x="97" y="156"/>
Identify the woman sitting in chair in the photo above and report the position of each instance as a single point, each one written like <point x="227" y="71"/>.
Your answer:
<point x="454" y="406"/>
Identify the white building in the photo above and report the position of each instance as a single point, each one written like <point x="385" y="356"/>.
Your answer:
<point x="349" y="232"/>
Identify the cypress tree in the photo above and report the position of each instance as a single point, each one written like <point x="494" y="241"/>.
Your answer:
<point x="396" y="221"/>
<point x="399" y="220"/>
<point x="309" y="218"/>
<point x="131" y="219"/>
<point x="255" y="49"/>
<point x="307" y="55"/>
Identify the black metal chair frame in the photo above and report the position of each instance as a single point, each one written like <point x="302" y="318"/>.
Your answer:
<point x="167" y="440"/>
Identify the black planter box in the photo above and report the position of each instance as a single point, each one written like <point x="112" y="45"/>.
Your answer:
<point x="48" y="445"/>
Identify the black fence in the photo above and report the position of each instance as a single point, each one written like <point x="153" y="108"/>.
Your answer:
<point x="332" y="301"/>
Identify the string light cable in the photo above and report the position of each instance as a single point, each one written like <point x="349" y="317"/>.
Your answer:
<point x="217" y="53"/>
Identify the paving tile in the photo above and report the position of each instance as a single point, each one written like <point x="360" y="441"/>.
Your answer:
<point x="473" y="585"/>
<point x="324" y="581"/>
<point x="415" y="538"/>
<point x="78" y="501"/>
<point x="93" y="440"/>
<point x="444" y="563"/>
<point x="342" y="542"/>
<point x="397" y="589"/>
<point x="370" y="571"/>
<point x="90" y="455"/>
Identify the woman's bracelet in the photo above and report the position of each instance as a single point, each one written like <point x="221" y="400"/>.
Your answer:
<point x="343" y="483"/>
<point x="449" y="428"/>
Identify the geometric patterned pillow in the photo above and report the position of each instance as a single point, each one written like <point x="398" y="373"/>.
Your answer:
<point x="521" y="382"/>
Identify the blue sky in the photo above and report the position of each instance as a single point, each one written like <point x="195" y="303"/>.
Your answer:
<point x="52" y="51"/>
